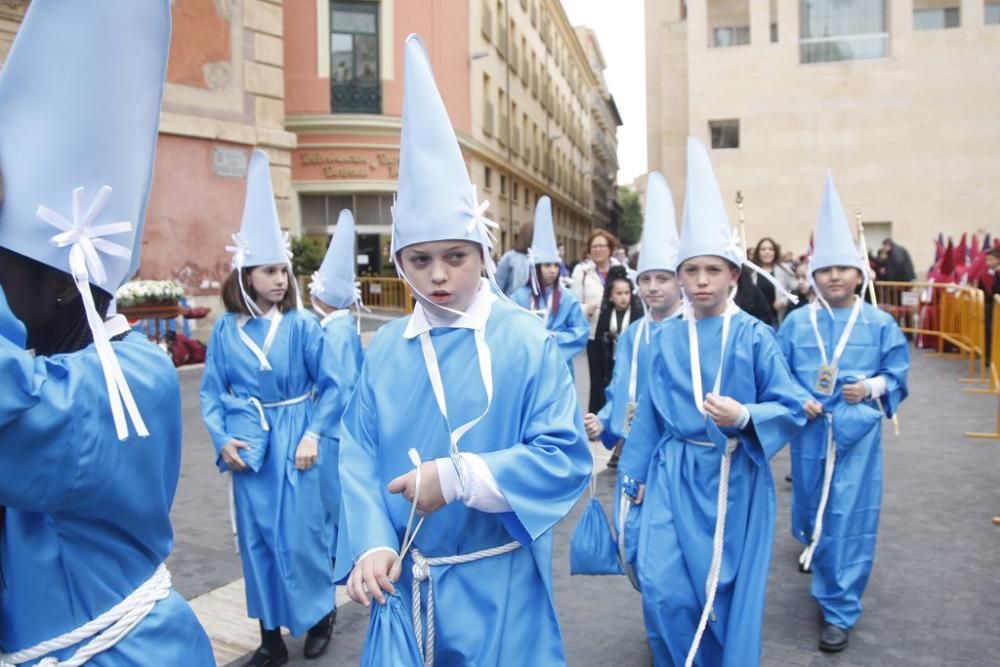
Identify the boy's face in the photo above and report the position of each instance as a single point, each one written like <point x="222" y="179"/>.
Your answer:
<point x="549" y="273"/>
<point x="659" y="289"/>
<point x="707" y="281"/>
<point x="837" y="284"/>
<point x="621" y="295"/>
<point x="446" y="273"/>
<point x="992" y="262"/>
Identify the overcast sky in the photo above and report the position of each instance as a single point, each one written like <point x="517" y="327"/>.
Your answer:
<point x="621" y="33"/>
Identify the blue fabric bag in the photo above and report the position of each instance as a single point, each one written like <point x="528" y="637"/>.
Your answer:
<point x="592" y="548"/>
<point x="390" y="639"/>
<point x="245" y="421"/>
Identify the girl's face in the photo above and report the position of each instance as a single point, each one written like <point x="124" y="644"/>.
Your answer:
<point x="445" y="273"/>
<point x="660" y="290"/>
<point x="621" y="295"/>
<point x="550" y="272"/>
<point x="837" y="284"/>
<point x="270" y="282"/>
<point x="765" y="253"/>
<point x="707" y="281"/>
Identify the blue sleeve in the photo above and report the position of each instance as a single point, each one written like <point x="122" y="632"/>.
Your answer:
<point x="778" y="414"/>
<point x="322" y="358"/>
<point x="646" y="428"/>
<point x="619" y="384"/>
<point x="894" y="366"/>
<point x="342" y="364"/>
<point x="364" y="515"/>
<point x="214" y="384"/>
<point x="572" y="335"/>
<point x="543" y="475"/>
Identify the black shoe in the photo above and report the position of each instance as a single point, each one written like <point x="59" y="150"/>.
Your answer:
<point x="788" y="478"/>
<point x="268" y="657"/>
<point x="833" y="639"/>
<point x="318" y="637"/>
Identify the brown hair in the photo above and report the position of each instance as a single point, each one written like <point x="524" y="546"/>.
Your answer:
<point x="608" y="236"/>
<point x="232" y="297"/>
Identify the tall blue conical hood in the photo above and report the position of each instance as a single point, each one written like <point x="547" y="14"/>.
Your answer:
<point x="333" y="283"/>
<point x="436" y="200"/>
<point x="659" y="228"/>
<point x="543" y="239"/>
<point x="260" y="240"/>
<point x="706" y="229"/>
<point x="79" y="116"/>
<point x="834" y="244"/>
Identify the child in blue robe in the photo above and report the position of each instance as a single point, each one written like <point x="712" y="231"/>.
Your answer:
<point x="699" y="460"/>
<point x="333" y="291"/>
<point x="852" y="359"/>
<point x="558" y="308"/>
<point x="90" y="419"/>
<point x="266" y="398"/>
<point x="479" y="393"/>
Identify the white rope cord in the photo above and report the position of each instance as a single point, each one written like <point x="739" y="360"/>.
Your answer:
<point x="106" y="630"/>
<point x="718" y="542"/>
<point x="805" y="560"/>
<point x="422" y="572"/>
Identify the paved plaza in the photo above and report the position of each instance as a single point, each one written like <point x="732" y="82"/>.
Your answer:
<point x="934" y="596"/>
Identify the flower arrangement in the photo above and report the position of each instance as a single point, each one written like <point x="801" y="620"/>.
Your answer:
<point x="149" y="293"/>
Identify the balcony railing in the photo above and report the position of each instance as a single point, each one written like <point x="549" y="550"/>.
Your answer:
<point x="356" y="97"/>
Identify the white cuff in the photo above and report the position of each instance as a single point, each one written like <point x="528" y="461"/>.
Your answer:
<point x="876" y="386"/>
<point x="481" y="491"/>
<point x="371" y="551"/>
<point x="743" y="419"/>
<point x="312" y="435"/>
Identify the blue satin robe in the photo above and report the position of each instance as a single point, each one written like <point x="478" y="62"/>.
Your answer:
<point x="677" y="517"/>
<point x="612" y="415"/>
<point x="499" y="610"/>
<point x="87" y="519"/>
<point x="347" y="355"/>
<point x="284" y="530"/>
<point x="844" y="556"/>
<point x="569" y="326"/>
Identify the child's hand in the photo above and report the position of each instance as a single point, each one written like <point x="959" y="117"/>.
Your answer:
<point x="639" y="495"/>
<point x="371" y="575"/>
<point x="723" y="410"/>
<point x="813" y="409"/>
<point x="307" y="453"/>
<point x="593" y="426"/>
<point x="231" y="455"/>
<point x="431" y="497"/>
<point x="855" y="393"/>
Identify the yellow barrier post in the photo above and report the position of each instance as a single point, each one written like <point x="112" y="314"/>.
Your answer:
<point x="994" y="344"/>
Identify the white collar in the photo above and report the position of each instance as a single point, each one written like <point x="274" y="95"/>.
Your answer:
<point x="474" y="317"/>
<point x="269" y="315"/>
<point x="116" y="325"/>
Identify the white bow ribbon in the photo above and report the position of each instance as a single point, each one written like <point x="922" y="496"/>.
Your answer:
<point x="85" y="241"/>
<point x="240" y="250"/>
<point x="83" y="234"/>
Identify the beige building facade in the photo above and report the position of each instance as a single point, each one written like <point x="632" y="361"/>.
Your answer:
<point x="897" y="97"/>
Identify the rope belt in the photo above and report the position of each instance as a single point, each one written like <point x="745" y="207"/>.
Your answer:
<point x="805" y="560"/>
<point x="257" y="403"/>
<point x="105" y="631"/>
<point x="422" y="572"/>
<point x="718" y="541"/>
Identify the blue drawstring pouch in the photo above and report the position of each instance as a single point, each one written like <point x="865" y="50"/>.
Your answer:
<point x="245" y="422"/>
<point x="592" y="547"/>
<point x="390" y="639"/>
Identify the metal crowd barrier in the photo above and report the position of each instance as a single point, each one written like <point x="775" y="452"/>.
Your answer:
<point x="386" y="294"/>
<point x="993" y="378"/>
